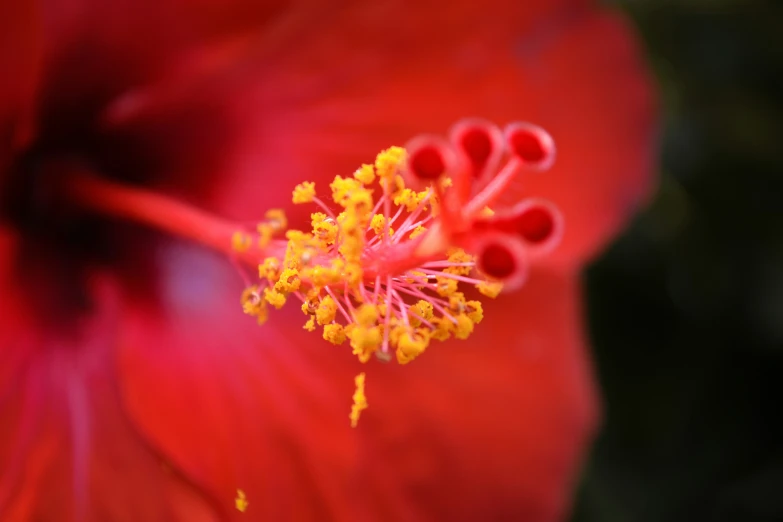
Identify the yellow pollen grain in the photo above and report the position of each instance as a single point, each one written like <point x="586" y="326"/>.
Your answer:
<point x="253" y="305"/>
<point x="310" y="324"/>
<point x="324" y="227"/>
<point x="265" y="233"/>
<point x="241" y="242"/>
<point x="364" y="341"/>
<point x="417" y="232"/>
<point x="475" y="311"/>
<point x="388" y="161"/>
<point x="423" y="309"/>
<point x="359" y="400"/>
<point x="366" y="315"/>
<point x="464" y="327"/>
<point x="457" y="302"/>
<point x="289" y="281"/>
<point x="326" y="311"/>
<point x="347" y="191"/>
<point x="365" y="174"/>
<point x="269" y="269"/>
<point x="276" y="219"/>
<point x="445" y="286"/>
<point x="378" y="224"/>
<point x="458" y="255"/>
<point x="490" y="288"/>
<point x="443" y="328"/>
<point x="274" y="298"/>
<point x="304" y="193"/>
<point x="410" y="345"/>
<point x="241" y="502"/>
<point x="334" y="333"/>
<point x="409" y="198"/>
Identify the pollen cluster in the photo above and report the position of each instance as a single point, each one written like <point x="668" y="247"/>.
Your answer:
<point x="390" y="310"/>
<point x="388" y="255"/>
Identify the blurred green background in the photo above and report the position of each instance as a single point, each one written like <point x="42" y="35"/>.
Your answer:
<point x="686" y="308"/>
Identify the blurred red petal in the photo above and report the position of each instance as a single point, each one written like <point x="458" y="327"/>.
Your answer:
<point x="349" y="86"/>
<point x="485" y="429"/>
<point x="68" y="449"/>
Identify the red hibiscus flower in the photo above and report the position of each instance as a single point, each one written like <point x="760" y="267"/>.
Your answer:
<point x="131" y="385"/>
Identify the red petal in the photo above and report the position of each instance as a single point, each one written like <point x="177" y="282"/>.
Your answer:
<point x="348" y="87"/>
<point x="499" y="423"/>
<point x="68" y="450"/>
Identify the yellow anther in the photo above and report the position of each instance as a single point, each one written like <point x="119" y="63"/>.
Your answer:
<point x="365" y="174"/>
<point x="417" y="232"/>
<point x="348" y="191"/>
<point x="269" y="269"/>
<point x="326" y="311"/>
<point x="411" y="344"/>
<point x="351" y="247"/>
<point x="388" y="161"/>
<point x="464" y="327"/>
<point x="353" y="273"/>
<point x="443" y="328"/>
<point x="349" y="224"/>
<point x="310" y="304"/>
<point x="240" y="501"/>
<point x="359" y="400"/>
<point x="396" y="331"/>
<point x="241" y="242"/>
<point x="490" y="288"/>
<point x="265" y="233"/>
<point x="423" y="309"/>
<point x="321" y="276"/>
<point x="274" y="298"/>
<point x="324" y="228"/>
<point x="300" y="250"/>
<point x="458" y="255"/>
<point x="445" y="286"/>
<point x="378" y="225"/>
<point x="486" y="212"/>
<point x="289" y="281"/>
<point x="334" y="333"/>
<point x="364" y="341"/>
<point x="310" y="324"/>
<point x="409" y="198"/>
<point x="253" y="305"/>
<point x="475" y="311"/>
<point x="457" y="302"/>
<point x="276" y="219"/>
<point x="366" y="315"/>
<point x="304" y="193"/>
<point x="394" y="187"/>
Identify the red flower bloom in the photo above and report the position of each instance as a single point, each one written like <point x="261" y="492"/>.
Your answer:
<point x="132" y="387"/>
